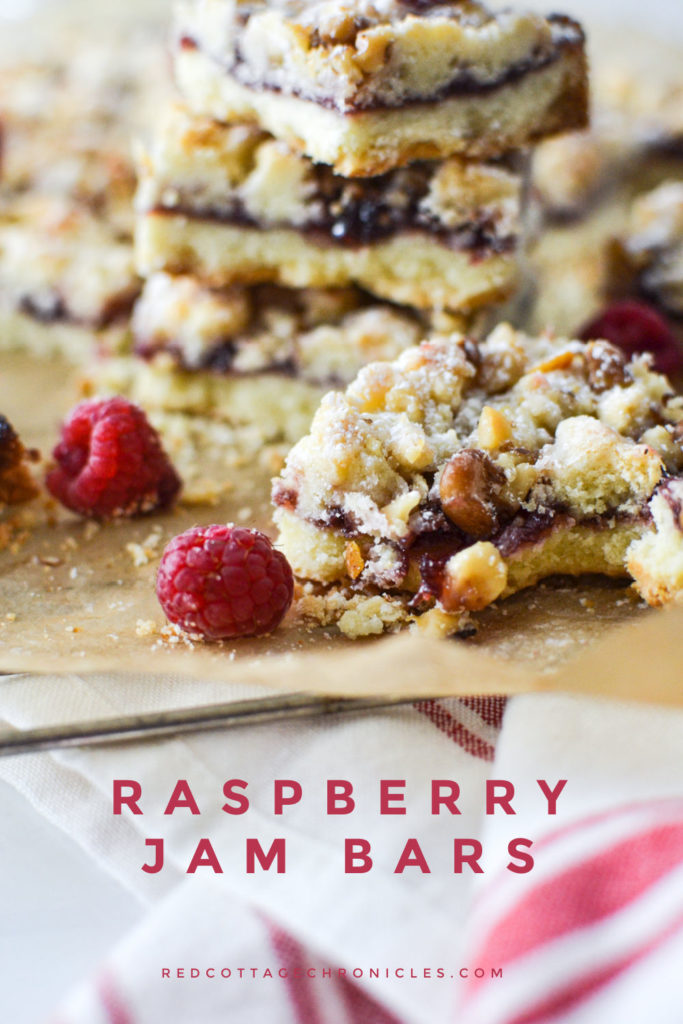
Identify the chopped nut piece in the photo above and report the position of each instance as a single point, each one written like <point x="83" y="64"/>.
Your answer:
<point x="606" y="366"/>
<point x="138" y="554"/>
<point x="146" y="627"/>
<point x="473" y="578"/>
<point x="51" y="561"/>
<point x="355" y="562"/>
<point x="494" y="429"/>
<point x="470" y="490"/>
<point x="562" y="361"/>
<point x="438" y="623"/>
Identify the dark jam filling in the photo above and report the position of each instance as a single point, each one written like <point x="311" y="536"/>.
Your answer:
<point x="434" y="539"/>
<point x="528" y="528"/>
<point x="568" y="36"/>
<point x="666" y="146"/>
<point x="364" y="221"/>
<point x="56" y="310"/>
<point x="220" y="359"/>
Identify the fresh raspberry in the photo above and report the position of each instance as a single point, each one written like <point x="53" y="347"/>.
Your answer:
<point x="110" y="462"/>
<point x="636" y="327"/>
<point x="224" y="581"/>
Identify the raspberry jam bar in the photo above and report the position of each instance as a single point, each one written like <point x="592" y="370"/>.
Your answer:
<point x="369" y="85"/>
<point x="231" y="203"/>
<point x="463" y="472"/>
<point x="635" y="139"/>
<point x="261" y="356"/>
<point x="647" y="259"/>
<point x="64" y="273"/>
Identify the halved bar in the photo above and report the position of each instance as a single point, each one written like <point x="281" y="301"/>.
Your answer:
<point x="231" y="203"/>
<point x="260" y="357"/>
<point x="368" y="86"/>
<point x="461" y="473"/>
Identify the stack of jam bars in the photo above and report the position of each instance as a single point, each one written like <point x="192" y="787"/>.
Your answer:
<point x="336" y="180"/>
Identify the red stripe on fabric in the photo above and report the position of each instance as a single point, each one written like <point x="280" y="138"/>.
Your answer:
<point x="362" y="1008"/>
<point x="112" y="1003"/>
<point x="585" y="893"/>
<point x="648" y="807"/>
<point x="291" y="956"/>
<point x="675" y="805"/>
<point x="489" y="709"/>
<point x="455" y="730"/>
<point x="568" y="998"/>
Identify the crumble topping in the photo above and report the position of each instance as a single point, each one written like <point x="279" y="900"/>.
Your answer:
<point x="322" y="335"/>
<point x="359" y="54"/>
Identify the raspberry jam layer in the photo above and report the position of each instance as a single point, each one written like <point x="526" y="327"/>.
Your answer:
<point x="434" y="539"/>
<point x="364" y="211"/>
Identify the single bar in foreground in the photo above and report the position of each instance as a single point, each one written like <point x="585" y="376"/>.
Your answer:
<point x="231" y="203"/>
<point x="462" y="473"/>
<point x="369" y="86"/>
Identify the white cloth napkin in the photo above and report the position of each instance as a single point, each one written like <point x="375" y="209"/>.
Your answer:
<point x="590" y="930"/>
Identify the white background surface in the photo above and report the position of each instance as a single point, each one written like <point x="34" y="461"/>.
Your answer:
<point x="58" y="916"/>
<point x="59" y="913"/>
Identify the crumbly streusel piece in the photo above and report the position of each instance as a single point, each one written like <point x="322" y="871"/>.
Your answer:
<point x="231" y="203"/>
<point x="369" y="85"/>
<point x="461" y="473"/>
<point x="17" y="485"/>
<point x="648" y="258"/>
